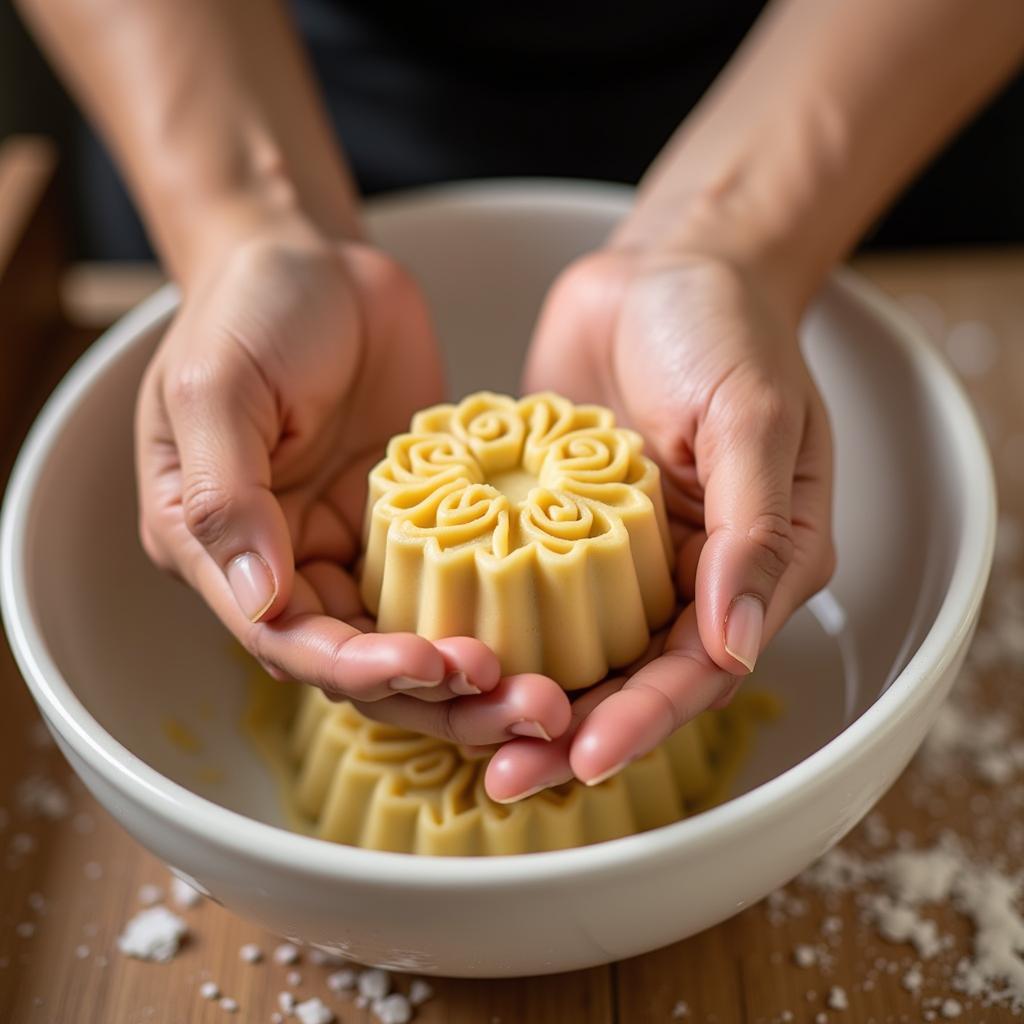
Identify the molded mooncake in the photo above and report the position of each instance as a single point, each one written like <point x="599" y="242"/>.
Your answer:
<point x="536" y="525"/>
<point x="355" y="781"/>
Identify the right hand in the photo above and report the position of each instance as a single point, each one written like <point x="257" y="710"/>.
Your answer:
<point x="294" y="358"/>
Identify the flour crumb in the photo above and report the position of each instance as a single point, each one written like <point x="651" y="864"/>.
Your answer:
<point x="25" y="930"/>
<point x="40" y="797"/>
<point x="82" y="951"/>
<point x="837" y="999"/>
<point x="913" y="980"/>
<point x="805" y="956"/>
<point x="150" y="895"/>
<point x="209" y="990"/>
<point x="183" y="894"/>
<point x="343" y="980"/>
<point x="229" y="1005"/>
<point x="681" y="1010"/>
<point x="286" y="954"/>
<point x="93" y="870"/>
<point x="294" y="979"/>
<point x="374" y="983"/>
<point x="393" y="1009"/>
<point x="313" y="1011"/>
<point x="421" y="991"/>
<point x="153" y="934"/>
<point x="951" y="1009"/>
<point x="286" y="1001"/>
<point x="250" y="953"/>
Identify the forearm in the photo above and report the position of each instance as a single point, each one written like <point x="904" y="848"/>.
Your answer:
<point x="210" y="110"/>
<point x="825" y="112"/>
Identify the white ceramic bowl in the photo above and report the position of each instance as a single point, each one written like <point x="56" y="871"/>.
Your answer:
<point x="111" y="649"/>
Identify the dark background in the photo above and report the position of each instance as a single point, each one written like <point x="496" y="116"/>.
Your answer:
<point x="427" y="94"/>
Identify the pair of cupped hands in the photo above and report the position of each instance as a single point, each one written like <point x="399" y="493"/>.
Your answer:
<point x="295" y="357"/>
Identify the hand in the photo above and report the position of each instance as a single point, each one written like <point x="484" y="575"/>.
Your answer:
<point x="292" y="361"/>
<point x="702" y="359"/>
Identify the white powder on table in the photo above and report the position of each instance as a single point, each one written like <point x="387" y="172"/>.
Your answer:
<point x="153" y="934"/>
<point x="286" y="954"/>
<point x="183" y="894"/>
<point x="313" y="1011"/>
<point x="393" y="1009"/>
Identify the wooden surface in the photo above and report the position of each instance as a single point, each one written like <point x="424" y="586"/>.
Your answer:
<point x="66" y="891"/>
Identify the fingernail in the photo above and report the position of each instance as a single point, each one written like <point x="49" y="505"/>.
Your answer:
<point x="409" y="683"/>
<point x="519" y="796"/>
<point x="605" y="775"/>
<point x="534" y="730"/>
<point x="743" y="627"/>
<point x="458" y="683"/>
<point x="252" y="583"/>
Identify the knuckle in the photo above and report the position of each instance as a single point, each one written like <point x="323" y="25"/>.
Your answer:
<point x="208" y="510"/>
<point x="587" y="279"/>
<point x="771" y="415"/>
<point x="445" y="725"/>
<point x="189" y="385"/>
<point x="771" y="539"/>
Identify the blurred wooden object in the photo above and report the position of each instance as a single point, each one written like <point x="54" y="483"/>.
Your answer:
<point x="67" y="886"/>
<point x="31" y="261"/>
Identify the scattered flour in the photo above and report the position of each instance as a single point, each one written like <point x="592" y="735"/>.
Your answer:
<point x="313" y="1011"/>
<point x="805" y="956"/>
<point x="421" y="991"/>
<point x="153" y="934"/>
<point x="150" y="895"/>
<point x="250" y="953"/>
<point x="374" y="984"/>
<point x="40" y="797"/>
<point x="392" y="1009"/>
<point x="183" y="894"/>
<point x="209" y="990"/>
<point x="837" y="998"/>
<point x="944" y="874"/>
<point x="343" y="980"/>
<point x="286" y="954"/>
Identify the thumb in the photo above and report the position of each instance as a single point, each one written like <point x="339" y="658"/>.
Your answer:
<point x="224" y="423"/>
<point x="747" y="501"/>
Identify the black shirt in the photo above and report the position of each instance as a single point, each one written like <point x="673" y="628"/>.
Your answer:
<point x="421" y="93"/>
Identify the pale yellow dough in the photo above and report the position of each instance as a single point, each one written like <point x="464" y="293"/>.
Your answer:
<point x="355" y="781"/>
<point x="534" y="524"/>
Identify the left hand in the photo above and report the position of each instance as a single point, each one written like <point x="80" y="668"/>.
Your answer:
<point x="701" y="357"/>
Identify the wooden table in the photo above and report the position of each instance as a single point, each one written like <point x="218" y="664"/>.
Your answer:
<point x="78" y="885"/>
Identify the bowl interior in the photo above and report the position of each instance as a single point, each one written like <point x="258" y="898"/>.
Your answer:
<point x="150" y="664"/>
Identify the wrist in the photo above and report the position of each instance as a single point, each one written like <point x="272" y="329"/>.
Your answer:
<point x="203" y="208"/>
<point x="209" y="232"/>
<point x="723" y="226"/>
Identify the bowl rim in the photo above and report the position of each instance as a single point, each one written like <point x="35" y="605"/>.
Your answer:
<point x="246" y="837"/>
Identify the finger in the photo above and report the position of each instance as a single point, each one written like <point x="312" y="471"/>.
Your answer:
<point x="749" y="544"/>
<point x="337" y="591"/>
<point x="523" y="767"/>
<point x="687" y="560"/>
<point x="659" y="698"/>
<point x="224" y="422"/>
<point x="305" y="644"/>
<point x="471" y="665"/>
<point x="521" y="705"/>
